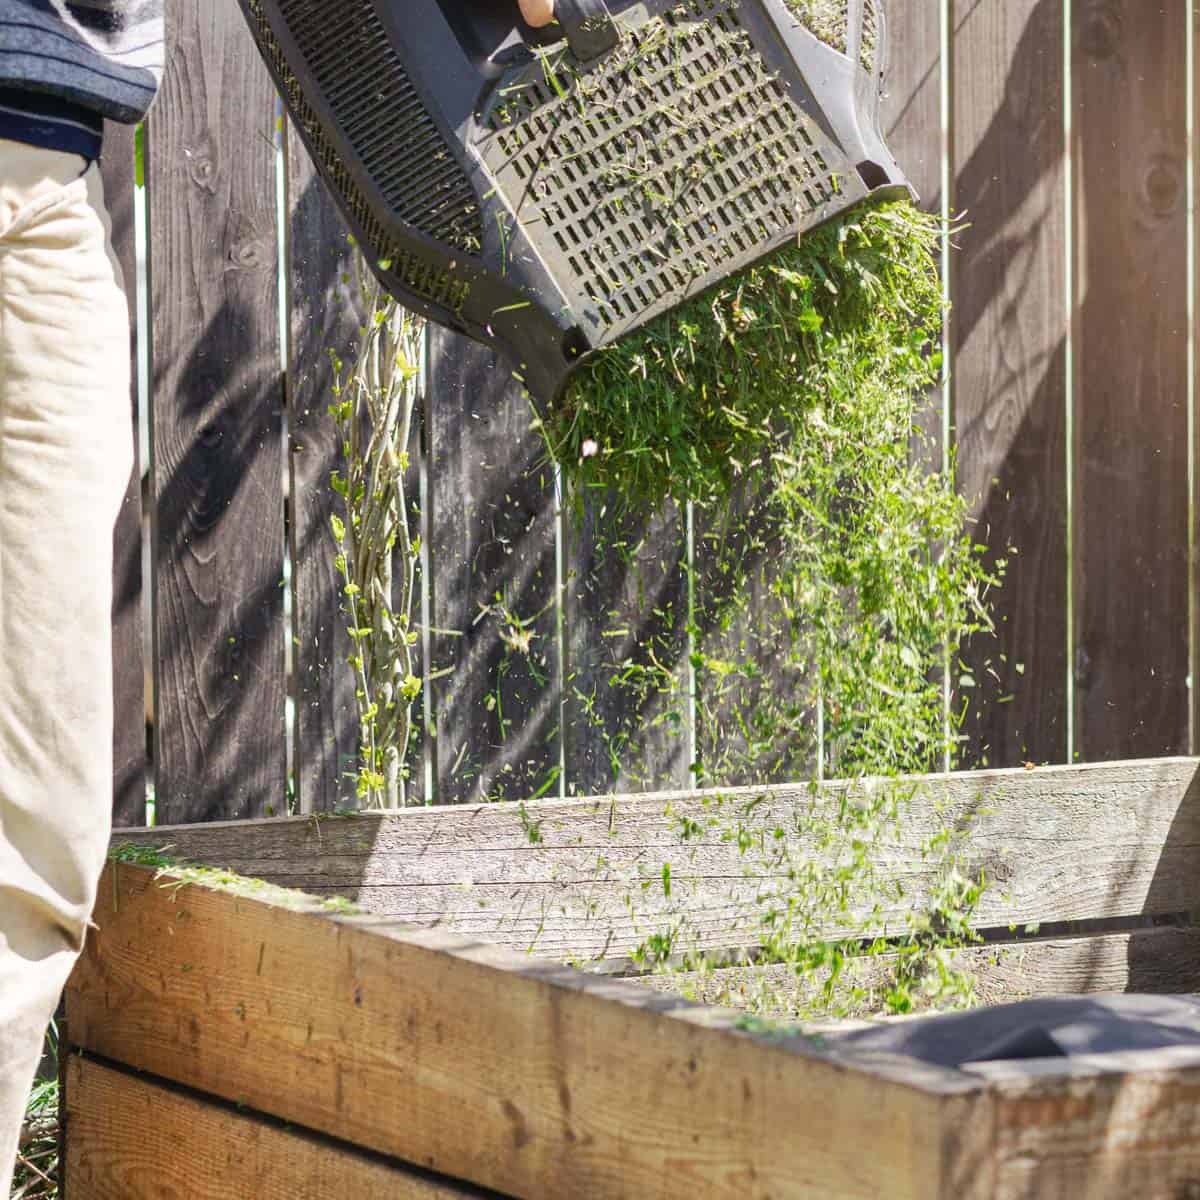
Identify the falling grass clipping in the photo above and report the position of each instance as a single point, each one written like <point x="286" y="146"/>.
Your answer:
<point x="841" y="330"/>
<point x="836" y="578"/>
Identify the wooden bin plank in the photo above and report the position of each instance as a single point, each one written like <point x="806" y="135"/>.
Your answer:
<point x="493" y="591"/>
<point x="1129" y="65"/>
<point x="129" y="666"/>
<point x="522" y="1076"/>
<point x="1058" y="844"/>
<point x="132" y="1138"/>
<point x="1105" y="1126"/>
<point x="1156" y="961"/>
<point x="216" y="458"/>
<point x="1009" y="337"/>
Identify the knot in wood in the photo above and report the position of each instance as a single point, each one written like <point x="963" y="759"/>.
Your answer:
<point x="1162" y="185"/>
<point x="1100" y="30"/>
<point x="997" y="869"/>
<point x="210" y="436"/>
<point x="246" y="254"/>
<point x="202" y="171"/>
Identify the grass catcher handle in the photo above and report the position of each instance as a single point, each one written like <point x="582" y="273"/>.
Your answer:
<point x="590" y="29"/>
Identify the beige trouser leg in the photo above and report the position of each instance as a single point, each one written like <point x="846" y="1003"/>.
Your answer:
<point x="65" y="457"/>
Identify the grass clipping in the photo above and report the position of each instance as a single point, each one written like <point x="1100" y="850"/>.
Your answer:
<point x="824" y="344"/>
<point x="837" y="584"/>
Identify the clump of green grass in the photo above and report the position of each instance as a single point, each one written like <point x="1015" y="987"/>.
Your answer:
<point x="715" y="391"/>
<point x="178" y="873"/>
<point x="836" y="577"/>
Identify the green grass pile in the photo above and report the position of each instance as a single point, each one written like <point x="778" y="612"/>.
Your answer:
<point x="757" y="367"/>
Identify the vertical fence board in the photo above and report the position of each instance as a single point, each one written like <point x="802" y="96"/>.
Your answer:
<point x="325" y="313"/>
<point x="912" y="115"/>
<point x="216" y="455"/>
<point x="129" y="691"/>
<point x="1009" y="332"/>
<point x="912" y="103"/>
<point x="496" y="661"/>
<point x="625" y="620"/>
<point x="1194" y="398"/>
<point x="1130" y="490"/>
<point x="742" y="644"/>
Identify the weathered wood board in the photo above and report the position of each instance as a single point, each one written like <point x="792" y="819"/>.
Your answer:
<point x="216" y="458"/>
<point x="1058" y="844"/>
<point x="129" y="685"/>
<point x="1158" y="961"/>
<point x="1131" y="322"/>
<point x="326" y="313"/>
<point x="1008" y="326"/>
<point x="133" y="1138"/>
<point x="570" y="1084"/>
<point x="625" y="678"/>
<point x="1105" y="1125"/>
<point x="494" y="587"/>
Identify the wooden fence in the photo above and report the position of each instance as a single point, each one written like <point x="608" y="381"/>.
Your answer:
<point x="1061" y="127"/>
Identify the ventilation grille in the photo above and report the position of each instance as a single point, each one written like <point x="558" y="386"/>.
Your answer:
<point x="360" y="78"/>
<point x="677" y="157"/>
<point x="438" y="287"/>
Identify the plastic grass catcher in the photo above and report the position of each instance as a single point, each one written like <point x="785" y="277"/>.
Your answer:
<point x="547" y="192"/>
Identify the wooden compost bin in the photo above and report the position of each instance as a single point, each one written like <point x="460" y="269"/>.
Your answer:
<point x="249" y="1042"/>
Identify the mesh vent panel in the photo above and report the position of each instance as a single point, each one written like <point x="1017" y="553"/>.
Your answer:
<point x="436" y="286"/>
<point x="370" y="94"/>
<point x="680" y="152"/>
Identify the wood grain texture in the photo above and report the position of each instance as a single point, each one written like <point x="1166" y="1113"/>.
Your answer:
<point x="911" y="112"/>
<point x="625" y="615"/>
<point x="1131" y="489"/>
<point x="216" y="458"/>
<point x="1155" y="961"/>
<point x="1009" y="337"/>
<point x="129" y="668"/>
<point x="747" y="728"/>
<point x="130" y="1137"/>
<point x="567" y="1085"/>
<point x="582" y="878"/>
<point x="1108" y="1126"/>
<point x="493" y="591"/>
<point x="911" y="115"/>
<point x="326" y="311"/>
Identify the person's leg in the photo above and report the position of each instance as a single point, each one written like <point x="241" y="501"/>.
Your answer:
<point x="65" y="457"/>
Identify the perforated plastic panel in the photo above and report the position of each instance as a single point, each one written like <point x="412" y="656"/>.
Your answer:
<point x="547" y="196"/>
<point x="681" y="153"/>
<point x="385" y="121"/>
